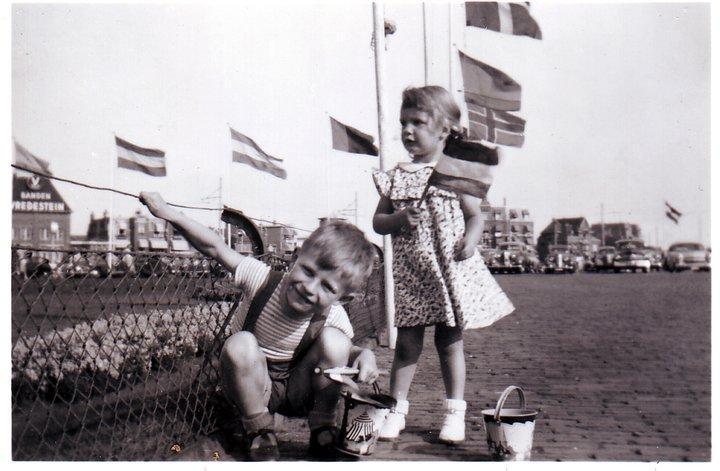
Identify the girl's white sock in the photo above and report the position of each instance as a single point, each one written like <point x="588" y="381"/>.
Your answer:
<point x="455" y="405"/>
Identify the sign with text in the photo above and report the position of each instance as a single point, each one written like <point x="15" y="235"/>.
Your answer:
<point x="34" y="194"/>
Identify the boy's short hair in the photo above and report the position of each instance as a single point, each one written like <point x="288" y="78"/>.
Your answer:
<point x="342" y="246"/>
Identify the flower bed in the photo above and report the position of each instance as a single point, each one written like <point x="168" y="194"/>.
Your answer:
<point x="107" y="354"/>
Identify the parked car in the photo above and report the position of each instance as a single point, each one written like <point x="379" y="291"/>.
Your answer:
<point x="489" y="256"/>
<point x="656" y="257"/>
<point x="150" y="264"/>
<point x="531" y="260"/>
<point x="687" y="256"/>
<point x="38" y="267"/>
<point x="75" y="265"/>
<point x="632" y="258"/>
<point x="510" y="257"/>
<point x="604" y="257"/>
<point x="560" y="259"/>
<point x="629" y="244"/>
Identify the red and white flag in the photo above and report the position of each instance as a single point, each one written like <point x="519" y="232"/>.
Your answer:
<point x="495" y="126"/>
<point x="348" y="139"/>
<point x="140" y="159"/>
<point x="468" y="171"/>
<point x="246" y="151"/>
<point x="508" y="18"/>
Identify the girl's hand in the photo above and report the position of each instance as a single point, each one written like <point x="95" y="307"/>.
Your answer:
<point x="409" y="217"/>
<point x="464" y="252"/>
<point x="155" y="203"/>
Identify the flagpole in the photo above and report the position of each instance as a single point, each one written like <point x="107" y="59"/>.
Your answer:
<point x="450" y="50"/>
<point x="425" y="44"/>
<point x="227" y="224"/>
<point x="602" y="224"/>
<point x="111" y="232"/>
<point x="379" y="41"/>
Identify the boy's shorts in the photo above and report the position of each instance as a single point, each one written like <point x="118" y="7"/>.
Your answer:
<point x="287" y="392"/>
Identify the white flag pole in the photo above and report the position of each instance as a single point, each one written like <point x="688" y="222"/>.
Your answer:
<point x="450" y="50"/>
<point x="425" y="45"/>
<point x="379" y="41"/>
<point x="111" y="214"/>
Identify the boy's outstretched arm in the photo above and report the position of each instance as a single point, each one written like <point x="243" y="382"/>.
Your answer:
<point x="201" y="237"/>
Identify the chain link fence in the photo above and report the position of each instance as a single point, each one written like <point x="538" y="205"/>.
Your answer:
<point x="115" y="356"/>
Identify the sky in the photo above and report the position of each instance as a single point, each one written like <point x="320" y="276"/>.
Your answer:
<point x="616" y="98"/>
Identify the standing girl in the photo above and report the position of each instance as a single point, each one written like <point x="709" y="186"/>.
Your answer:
<point x="440" y="278"/>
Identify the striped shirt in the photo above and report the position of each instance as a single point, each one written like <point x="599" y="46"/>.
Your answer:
<point x="277" y="333"/>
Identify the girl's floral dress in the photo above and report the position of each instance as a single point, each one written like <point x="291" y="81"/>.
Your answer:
<point x="430" y="286"/>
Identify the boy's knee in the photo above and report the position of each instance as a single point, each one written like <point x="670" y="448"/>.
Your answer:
<point x="334" y="345"/>
<point x="240" y="350"/>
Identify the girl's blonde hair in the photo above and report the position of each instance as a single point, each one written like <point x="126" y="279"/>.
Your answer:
<point x="437" y="102"/>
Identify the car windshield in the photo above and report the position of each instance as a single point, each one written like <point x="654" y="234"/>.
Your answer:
<point x="627" y="244"/>
<point x="606" y="251"/>
<point x="686" y="247"/>
<point x="509" y="246"/>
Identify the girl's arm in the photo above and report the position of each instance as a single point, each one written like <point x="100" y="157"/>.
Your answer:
<point x="386" y="221"/>
<point x="201" y="237"/>
<point x="470" y="206"/>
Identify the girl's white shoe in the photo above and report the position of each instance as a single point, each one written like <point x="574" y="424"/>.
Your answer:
<point x="394" y="422"/>
<point x="453" y="429"/>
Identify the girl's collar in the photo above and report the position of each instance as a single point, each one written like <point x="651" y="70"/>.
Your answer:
<point x="415" y="166"/>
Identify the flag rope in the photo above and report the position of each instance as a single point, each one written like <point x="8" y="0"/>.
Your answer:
<point x="102" y="188"/>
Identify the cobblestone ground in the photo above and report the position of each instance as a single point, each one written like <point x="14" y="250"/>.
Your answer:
<point x="617" y="364"/>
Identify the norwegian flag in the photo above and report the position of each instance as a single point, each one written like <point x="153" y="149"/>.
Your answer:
<point x="495" y="126"/>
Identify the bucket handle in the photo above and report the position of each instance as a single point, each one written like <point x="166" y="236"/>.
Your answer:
<point x="503" y="398"/>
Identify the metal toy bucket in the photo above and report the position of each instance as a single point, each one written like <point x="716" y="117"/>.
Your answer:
<point x="363" y="417"/>
<point x="510" y="431"/>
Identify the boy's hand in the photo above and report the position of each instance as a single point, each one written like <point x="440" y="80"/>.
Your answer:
<point x="409" y="217"/>
<point x="155" y="203"/>
<point x="365" y="363"/>
<point x="464" y="252"/>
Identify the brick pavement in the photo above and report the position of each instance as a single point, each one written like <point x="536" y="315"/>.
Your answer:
<point x="617" y="364"/>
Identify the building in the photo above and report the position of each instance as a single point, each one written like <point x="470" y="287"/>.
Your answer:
<point x="136" y="233"/>
<point x="609" y="233"/>
<point x="503" y="224"/>
<point x="280" y="240"/>
<point x="574" y="232"/>
<point x="148" y="233"/>
<point x="96" y="238"/>
<point x="40" y="217"/>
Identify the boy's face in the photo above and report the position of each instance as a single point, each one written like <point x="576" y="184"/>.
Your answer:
<point x="312" y="289"/>
<point x="422" y="135"/>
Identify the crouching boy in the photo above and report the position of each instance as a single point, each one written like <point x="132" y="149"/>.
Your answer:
<point x="287" y="325"/>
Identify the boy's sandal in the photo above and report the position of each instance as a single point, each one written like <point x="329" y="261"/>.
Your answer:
<point x="262" y="446"/>
<point x="322" y="443"/>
